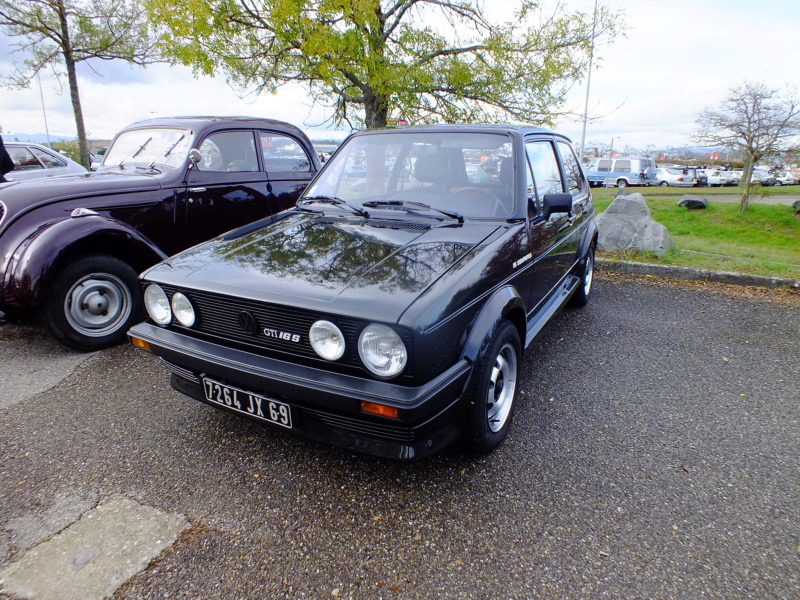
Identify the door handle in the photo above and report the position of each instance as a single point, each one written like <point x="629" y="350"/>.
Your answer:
<point x="197" y="190"/>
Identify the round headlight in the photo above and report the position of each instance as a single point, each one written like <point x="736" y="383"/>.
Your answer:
<point x="157" y="304"/>
<point x="382" y="350"/>
<point x="183" y="309"/>
<point x="327" y="340"/>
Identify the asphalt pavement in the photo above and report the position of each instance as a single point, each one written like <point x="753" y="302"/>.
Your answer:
<point x="654" y="455"/>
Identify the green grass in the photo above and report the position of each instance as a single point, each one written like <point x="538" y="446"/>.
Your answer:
<point x="765" y="240"/>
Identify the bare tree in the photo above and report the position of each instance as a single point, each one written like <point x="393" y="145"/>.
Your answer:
<point x="757" y="121"/>
<point x="58" y="34"/>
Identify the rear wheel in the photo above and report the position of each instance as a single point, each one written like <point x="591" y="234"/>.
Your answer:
<point x="664" y="184"/>
<point x="494" y="394"/>
<point x="93" y="302"/>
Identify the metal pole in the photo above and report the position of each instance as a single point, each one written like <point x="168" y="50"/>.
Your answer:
<point x="41" y="95"/>
<point x="588" y="80"/>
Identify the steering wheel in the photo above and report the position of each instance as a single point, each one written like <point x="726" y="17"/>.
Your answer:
<point x="472" y="191"/>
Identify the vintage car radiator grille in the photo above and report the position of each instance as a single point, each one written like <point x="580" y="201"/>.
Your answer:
<point x="2" y="212"/>
<point x="221" y="317"/>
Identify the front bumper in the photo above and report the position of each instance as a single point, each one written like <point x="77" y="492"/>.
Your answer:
<point x="326" y="406"/>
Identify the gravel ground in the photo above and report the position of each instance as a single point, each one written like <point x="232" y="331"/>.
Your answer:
<point x="654" y="455"/>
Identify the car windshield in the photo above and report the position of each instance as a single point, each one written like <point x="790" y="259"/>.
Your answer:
<point x="469" y="174"/>
<point x="156" y="145"/>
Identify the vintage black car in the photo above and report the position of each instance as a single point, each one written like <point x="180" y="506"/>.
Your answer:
<point x="72" y="247"/>
<point x="389" y="311"/>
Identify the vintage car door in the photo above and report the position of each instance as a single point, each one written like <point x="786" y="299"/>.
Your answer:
<point x="547" y="234"/>
<point x="227" y="188"/>
<point x="288" y="166"/>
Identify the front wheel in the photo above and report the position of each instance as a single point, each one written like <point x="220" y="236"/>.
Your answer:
<point x="622" y="183"/>
<point x="93" y="302"/>
<point x="664" y="184"/>
<point x="494" y="394"/>
<point x="581" y="296"/>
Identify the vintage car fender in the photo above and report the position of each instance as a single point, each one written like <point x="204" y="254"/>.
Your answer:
<point x="31" y="267"/>
<point x="503" y="303"/>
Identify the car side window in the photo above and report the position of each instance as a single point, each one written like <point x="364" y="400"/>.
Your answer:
<point x="623" y="166"/>
<point x="49" y="161"/>
<point x="546" y="173"/>
<point x="572" y="169"/>
<point x="229" y="151"/>
<point x="23" y="159"/>
<point x="282" y="153"/>
<point x="534" y="208"/>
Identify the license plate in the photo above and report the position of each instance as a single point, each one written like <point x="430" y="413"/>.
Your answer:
<point x="248" y="403"/>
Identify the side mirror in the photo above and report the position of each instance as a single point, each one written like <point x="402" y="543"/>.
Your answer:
<point x="194" y="157"/>
<point x="557" y="203"/>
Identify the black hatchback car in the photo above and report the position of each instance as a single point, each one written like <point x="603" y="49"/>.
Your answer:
<point x="71" y="247"/>
<point x="389" y="310"/>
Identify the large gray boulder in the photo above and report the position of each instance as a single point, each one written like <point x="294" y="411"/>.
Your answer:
<point x="628" y="225"/>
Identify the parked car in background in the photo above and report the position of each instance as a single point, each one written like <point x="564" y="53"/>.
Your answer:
<point x="621" y="171"/>
<point x="387" y="313"/>
<point x="34" y="161"/>
<point x="734" y="177"/>
<point x="72" y="248"/>
<point x="713" y="177"/>
<point x="786" y="178"/>
<point x="762" y="177"/>
<point x="673" y="177"/>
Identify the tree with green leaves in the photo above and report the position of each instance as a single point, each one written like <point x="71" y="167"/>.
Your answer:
<point x="376" y="61"/>
<point x="59" y="34"/>
<point x="755" y="120"/>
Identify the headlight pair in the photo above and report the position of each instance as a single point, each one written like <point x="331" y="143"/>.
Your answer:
<point x="161" y="309"/>
<point x="380" y="348"/>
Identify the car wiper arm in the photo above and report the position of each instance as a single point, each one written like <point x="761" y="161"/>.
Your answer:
<point x="331" y="200"/>
<point x="137" y="153"/>
<point x="408" y="205"/>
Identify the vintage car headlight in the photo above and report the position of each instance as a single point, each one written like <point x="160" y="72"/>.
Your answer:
<point x="157" y="304"/>
<point x="183" y="309"/>
<point x="327" y="340"/>
<point x="382" y="350"/>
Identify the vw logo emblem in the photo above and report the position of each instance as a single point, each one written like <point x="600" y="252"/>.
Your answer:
<point x="248" y="322"/>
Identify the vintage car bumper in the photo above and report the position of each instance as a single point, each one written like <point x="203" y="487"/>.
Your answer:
<point x="325" y="406"/>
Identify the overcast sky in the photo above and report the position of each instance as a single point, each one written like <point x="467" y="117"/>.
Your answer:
<point x="677" y="58"/>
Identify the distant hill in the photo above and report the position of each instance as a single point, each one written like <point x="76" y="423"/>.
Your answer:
<point x="36" y="138"/>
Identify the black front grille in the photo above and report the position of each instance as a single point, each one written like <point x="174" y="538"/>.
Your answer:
<point x="242" y="322"/>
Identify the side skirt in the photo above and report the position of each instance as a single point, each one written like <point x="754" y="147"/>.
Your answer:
<point x="553" y="305"/>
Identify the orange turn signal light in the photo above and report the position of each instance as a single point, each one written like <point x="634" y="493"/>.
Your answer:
<point x="380" y="409"/>
<point x="140" y="344"/>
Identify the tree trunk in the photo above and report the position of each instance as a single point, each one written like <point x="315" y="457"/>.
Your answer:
<point x="747" y="184"/>
<point x="376" y="110"/>
<point x="72" y="76"/>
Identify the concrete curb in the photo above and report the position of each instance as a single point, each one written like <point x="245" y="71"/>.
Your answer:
<point x="687" y="274"/>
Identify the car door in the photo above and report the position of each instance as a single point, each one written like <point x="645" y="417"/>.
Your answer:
<point x="288" y="166"/>
<point x="227" y="188"/>
<point x="546" y="234"/>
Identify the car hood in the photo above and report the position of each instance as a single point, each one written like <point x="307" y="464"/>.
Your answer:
<point x="352" y="266"/>
<point x="19" y="195"/>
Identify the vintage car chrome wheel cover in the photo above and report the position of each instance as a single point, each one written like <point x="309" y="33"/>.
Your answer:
<point x="502" y="385"/>
<point x="97" y="305"/>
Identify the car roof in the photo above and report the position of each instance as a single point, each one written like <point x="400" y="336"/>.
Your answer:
<point x="465" y="128"/>
<point x="204" y="122"/>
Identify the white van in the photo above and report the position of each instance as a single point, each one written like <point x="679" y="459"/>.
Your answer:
<point x="621" y="171"/>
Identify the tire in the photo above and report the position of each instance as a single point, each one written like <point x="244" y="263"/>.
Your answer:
<point x="581" y="296"/>
<point x="778" y="183"/>
<point x="493" y="396"/>
<point x="622" y="183"/>
<point x="93" y="302"/>
<point x="664" y="184"/>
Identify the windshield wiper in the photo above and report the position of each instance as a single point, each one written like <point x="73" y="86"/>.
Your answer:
<point x="138" y="152"/>
<point x="167" y="153"/>
<point x="331" y="200"/>
<point x="408" y="205"/>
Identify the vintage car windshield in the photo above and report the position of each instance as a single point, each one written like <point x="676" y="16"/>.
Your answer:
<point x="471" y="174"/>
<point x="156" y="145"/>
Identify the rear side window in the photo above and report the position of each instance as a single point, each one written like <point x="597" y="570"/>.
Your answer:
<point x="282" y="153"/>
<point x="546" y="174"/>
<point x="622" y="166"/>
<point x="572" y="169"/>
<point x="23" y="159"/>
<point x="49" y="161"/>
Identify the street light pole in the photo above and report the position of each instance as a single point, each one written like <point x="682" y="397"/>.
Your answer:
<point x="588" y="81"/>
<point x="44" y="113"/>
